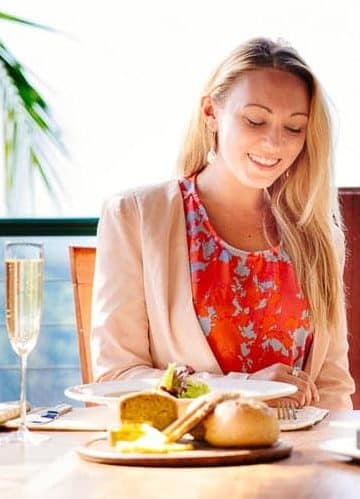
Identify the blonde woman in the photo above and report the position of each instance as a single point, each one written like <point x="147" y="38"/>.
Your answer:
<point x="237" y="266"/>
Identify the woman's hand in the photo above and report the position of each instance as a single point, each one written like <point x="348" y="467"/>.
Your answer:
<point x="307" y="391"/>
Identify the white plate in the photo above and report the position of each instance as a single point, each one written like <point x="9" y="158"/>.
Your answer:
<point x="343" y="446"/>
<point x="108" y="393"/>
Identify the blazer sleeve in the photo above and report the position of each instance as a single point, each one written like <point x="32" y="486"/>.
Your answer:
<point x="334" y="381"/>
<point x="119" y="341"/>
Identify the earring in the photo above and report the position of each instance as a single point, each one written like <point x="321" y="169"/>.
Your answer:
<point x="287" y="173"/>
<point x="211" y="155"/>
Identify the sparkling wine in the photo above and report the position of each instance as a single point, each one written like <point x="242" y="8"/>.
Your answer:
<point x="24" y="284"/>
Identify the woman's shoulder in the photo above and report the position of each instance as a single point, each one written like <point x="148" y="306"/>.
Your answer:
<point x="144" y="198"/>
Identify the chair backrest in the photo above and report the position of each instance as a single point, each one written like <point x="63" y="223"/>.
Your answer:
<point x="82" y="263"/>
<point x="350" y="202"/>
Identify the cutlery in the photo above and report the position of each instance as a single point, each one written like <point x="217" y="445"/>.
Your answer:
<point x="49" y="414"/>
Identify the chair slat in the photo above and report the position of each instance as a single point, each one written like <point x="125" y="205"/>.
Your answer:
<point x="82" y="263"/>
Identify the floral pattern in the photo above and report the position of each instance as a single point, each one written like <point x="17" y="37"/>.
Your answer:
<point x="249" y="304"/>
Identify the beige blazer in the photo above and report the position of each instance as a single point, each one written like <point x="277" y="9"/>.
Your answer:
<point x="143" y="315"/>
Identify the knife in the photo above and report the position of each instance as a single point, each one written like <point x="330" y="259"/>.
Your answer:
<point x="49" y="414"/>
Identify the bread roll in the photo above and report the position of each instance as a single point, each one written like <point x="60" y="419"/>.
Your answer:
<point x="241" y="423"/>
<point x="148" y="407"/>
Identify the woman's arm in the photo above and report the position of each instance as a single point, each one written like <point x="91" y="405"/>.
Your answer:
<point x="334" y="381"/>
<point x="119" y="343"/>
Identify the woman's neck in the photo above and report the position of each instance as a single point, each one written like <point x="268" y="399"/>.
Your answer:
<point x="216" y="185"/>
<point x="239" y="215"/>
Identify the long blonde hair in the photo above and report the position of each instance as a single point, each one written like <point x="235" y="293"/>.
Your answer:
<point x="304" y="203"/>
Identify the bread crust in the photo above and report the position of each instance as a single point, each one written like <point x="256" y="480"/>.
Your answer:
<point x="241" y="423"/>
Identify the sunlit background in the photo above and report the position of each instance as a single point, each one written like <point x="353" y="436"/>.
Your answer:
<point x="124" y="76"/>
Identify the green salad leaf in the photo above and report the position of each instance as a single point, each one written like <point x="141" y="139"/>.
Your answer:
<point x="195" y="389"/>
<point x="180" y="382"/>
<point x="167" y="380"/>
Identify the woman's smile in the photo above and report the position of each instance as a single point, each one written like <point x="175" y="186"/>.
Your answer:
<point x="262" y="162"/>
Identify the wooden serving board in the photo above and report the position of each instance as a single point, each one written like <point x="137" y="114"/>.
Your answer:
<point x="99" y="451"/>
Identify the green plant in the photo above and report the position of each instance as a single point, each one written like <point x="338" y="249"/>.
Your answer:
<point x="27" y="119"/>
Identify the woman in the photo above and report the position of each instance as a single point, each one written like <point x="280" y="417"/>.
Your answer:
<point x="236" y="267"/>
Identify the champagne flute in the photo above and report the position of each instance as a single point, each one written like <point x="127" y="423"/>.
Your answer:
<point x="24" y="277"/>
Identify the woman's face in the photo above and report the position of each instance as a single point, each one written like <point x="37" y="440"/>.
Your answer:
<point x="261" y="126"/>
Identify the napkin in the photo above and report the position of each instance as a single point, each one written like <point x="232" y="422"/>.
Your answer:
<point x="305" y="417"/>
<point x="96" y="418"/>
<point x="9" y="410"/>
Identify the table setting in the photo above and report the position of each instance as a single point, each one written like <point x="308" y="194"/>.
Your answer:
<point x="315" y="466"/>
<point x="105" y="414"/>
<point x="103" y="445"/>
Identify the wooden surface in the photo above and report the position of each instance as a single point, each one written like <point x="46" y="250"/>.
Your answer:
<point x="54" y="470"/>
<point x="350" y="203"/>
<point x="99" y="451"/>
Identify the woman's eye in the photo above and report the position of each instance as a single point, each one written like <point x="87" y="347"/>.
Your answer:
<point x="293" y="130"/>
<point x="254" y="123"/>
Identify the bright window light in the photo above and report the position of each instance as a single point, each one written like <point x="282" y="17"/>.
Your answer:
<point x="125" y="76"/>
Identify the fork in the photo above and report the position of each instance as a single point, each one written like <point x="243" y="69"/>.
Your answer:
<point x="286" y="409"/>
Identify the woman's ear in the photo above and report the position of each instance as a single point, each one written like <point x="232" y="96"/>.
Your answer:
<point x="208" y="109"/>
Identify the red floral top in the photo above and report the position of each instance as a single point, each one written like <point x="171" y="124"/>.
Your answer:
<point x="249" y="304"/>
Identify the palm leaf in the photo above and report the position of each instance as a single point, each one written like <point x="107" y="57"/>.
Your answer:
<point x="10" y="132"/>
<point x="26" y="112"/>
<point x="30" y="98"/>
<point x="36" y="163"/>
<point x="9" y="17"/>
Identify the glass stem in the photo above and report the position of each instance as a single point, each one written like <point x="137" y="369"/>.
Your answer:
<point x="23" y="361"/>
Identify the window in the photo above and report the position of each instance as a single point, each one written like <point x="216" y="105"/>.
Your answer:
<point x="124" y="84"/>
<point x="54" y="363"/>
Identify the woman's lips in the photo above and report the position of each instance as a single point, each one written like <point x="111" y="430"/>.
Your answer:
<point x="263" y="162"/>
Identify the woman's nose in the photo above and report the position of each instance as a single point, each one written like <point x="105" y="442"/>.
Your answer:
<point x="274" y="138"/>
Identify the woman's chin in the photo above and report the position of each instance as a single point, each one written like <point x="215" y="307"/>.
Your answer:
<point x="257" y="182"/>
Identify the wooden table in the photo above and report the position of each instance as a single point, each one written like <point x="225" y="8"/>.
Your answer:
<point x="54" y="470"/>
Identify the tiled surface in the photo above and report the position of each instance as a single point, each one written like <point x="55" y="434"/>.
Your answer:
<point x="54" y="363"/>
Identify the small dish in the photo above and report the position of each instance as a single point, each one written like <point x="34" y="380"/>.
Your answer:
<point x="343" y="446"/>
